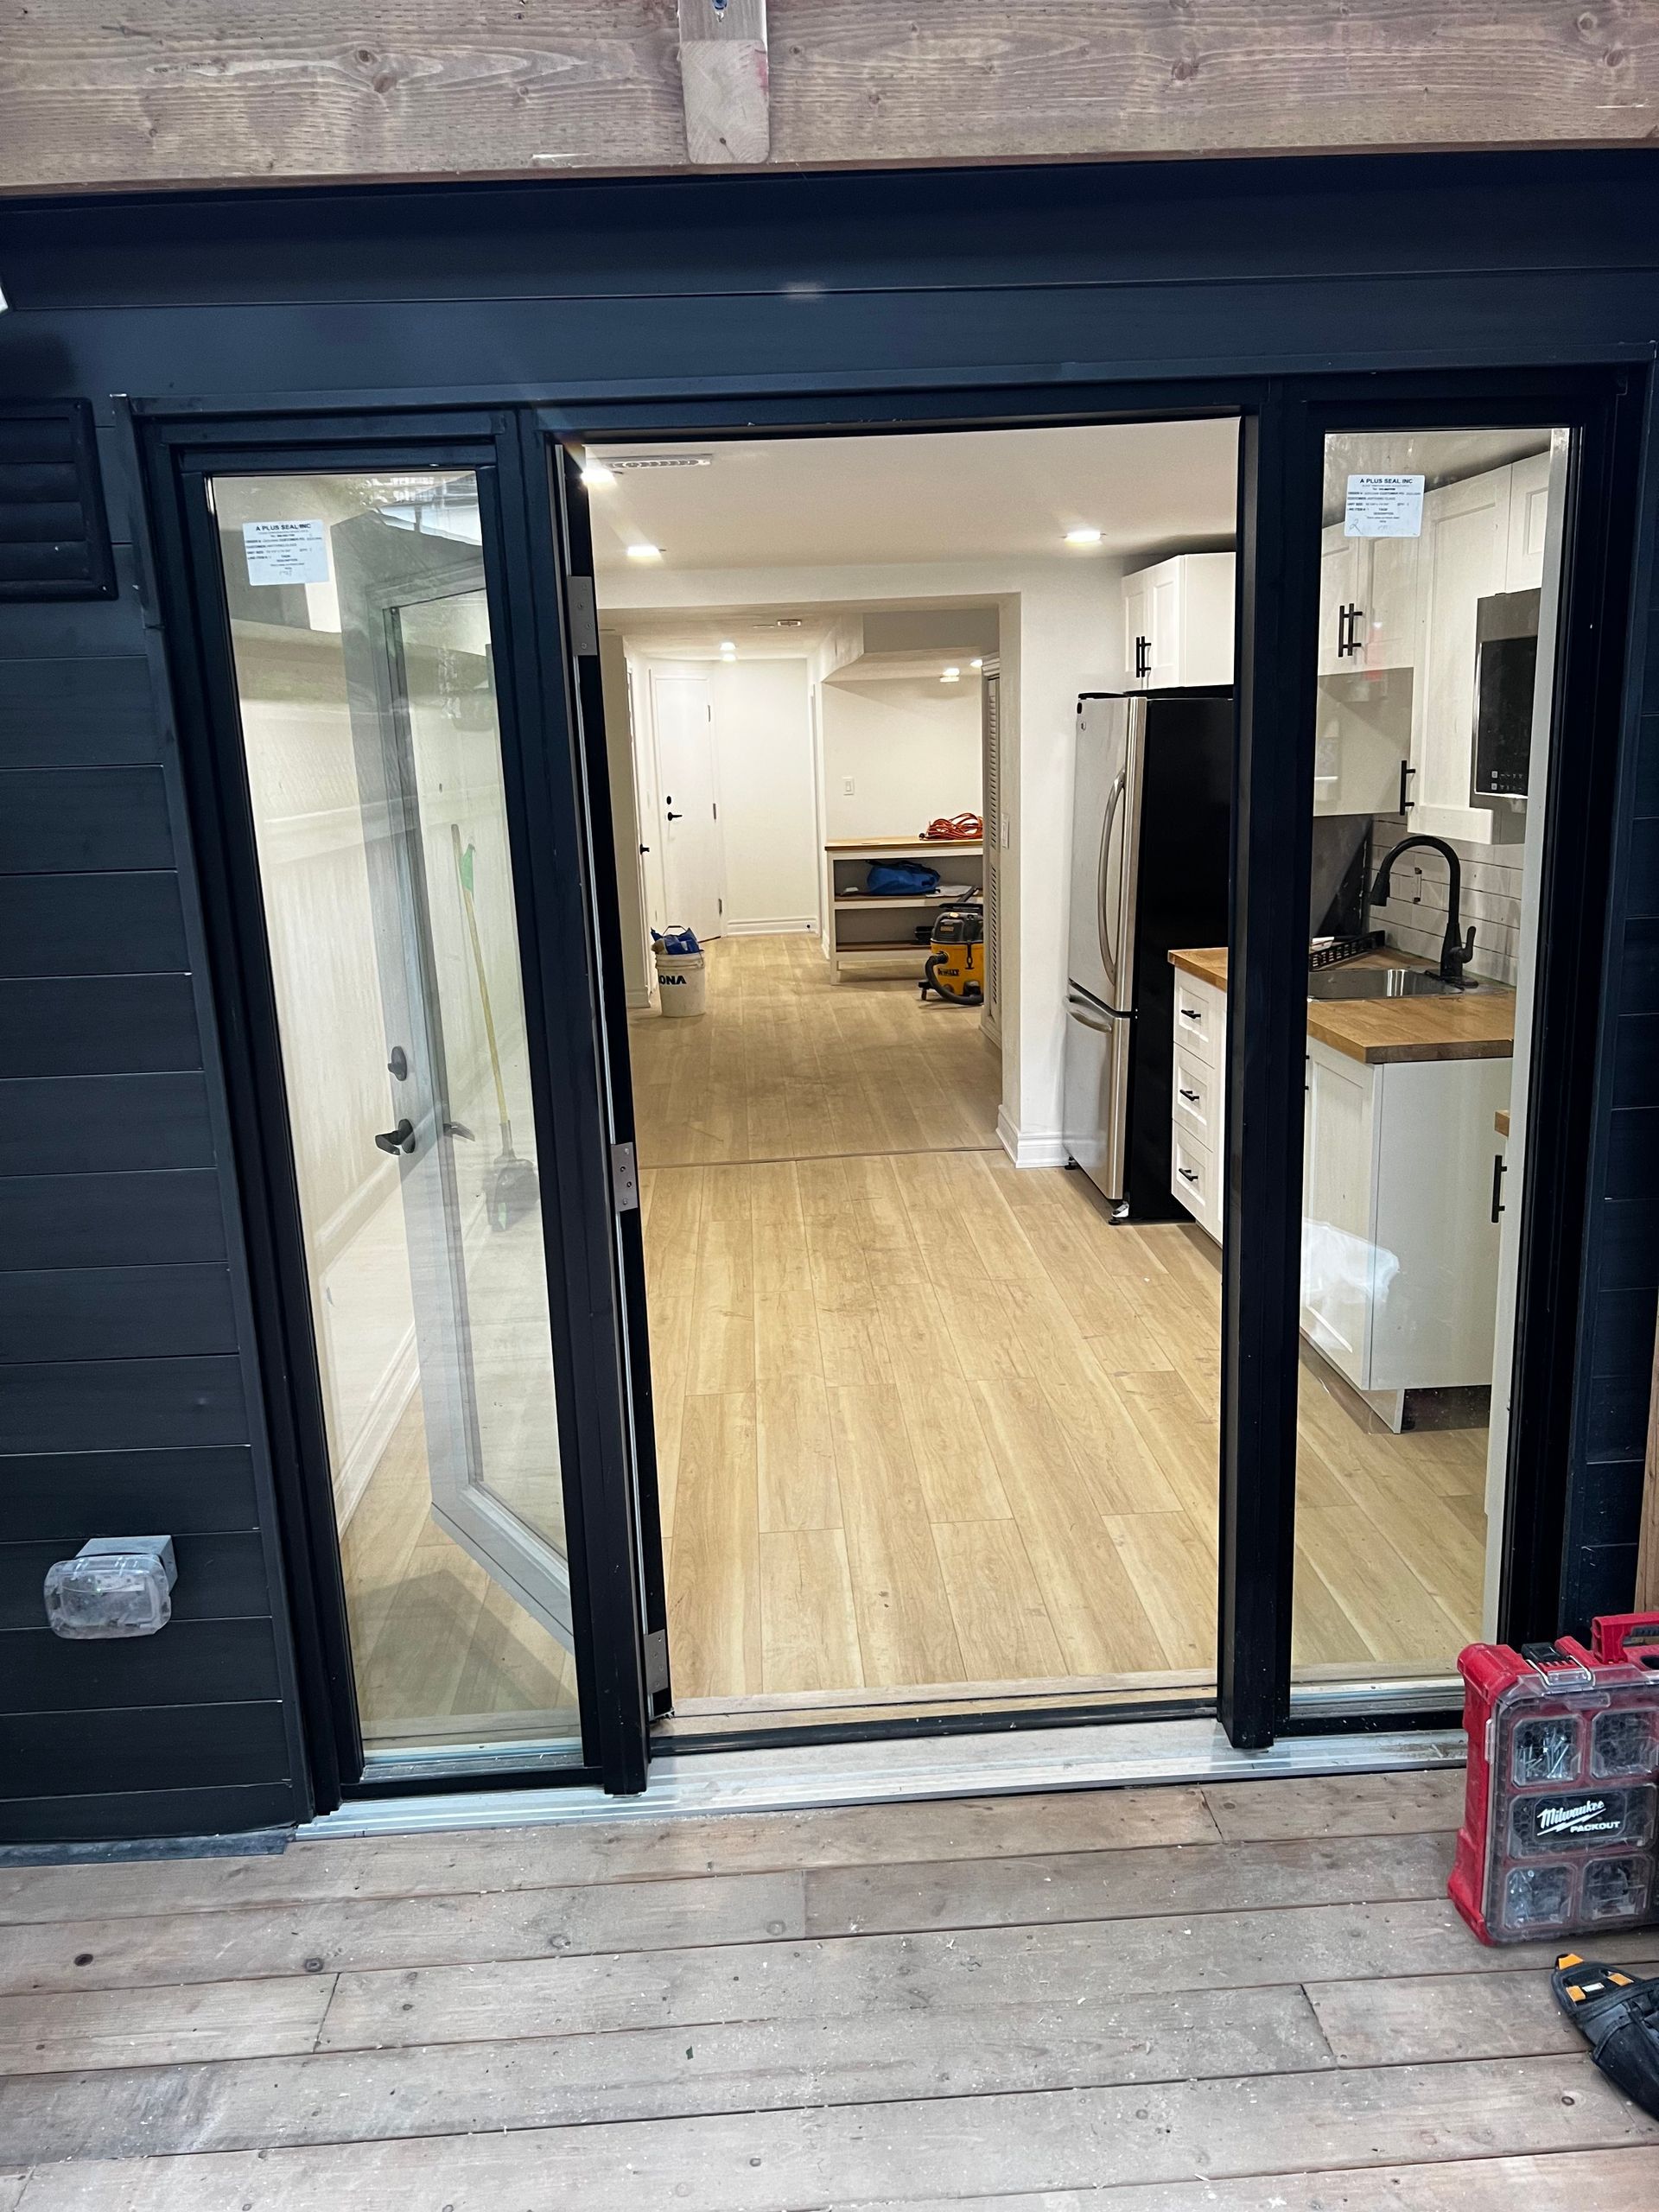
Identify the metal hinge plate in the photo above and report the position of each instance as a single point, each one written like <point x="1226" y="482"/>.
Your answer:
<point x="584" y="615"/>
<point x="657" y="1660"/>
<point x="625" y="1178"/>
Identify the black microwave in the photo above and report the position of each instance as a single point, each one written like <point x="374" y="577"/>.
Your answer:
<point x="1506" y="668"/>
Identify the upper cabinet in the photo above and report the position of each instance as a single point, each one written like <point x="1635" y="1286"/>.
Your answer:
<point x="1368" y="602"/>
<point x="1483" y="534"/>
<point x="1528" y="520"/>
<point x="1177" y="622"/>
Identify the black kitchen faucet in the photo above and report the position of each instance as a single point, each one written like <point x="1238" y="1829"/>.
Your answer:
<point x="1457" y="951"/>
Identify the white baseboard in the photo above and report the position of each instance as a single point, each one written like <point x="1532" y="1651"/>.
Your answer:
<point x="1029" y="1151"/>
<point x="637" y="995"/>
<point x="391" y="1396"/>
<point x="779" y="926"/>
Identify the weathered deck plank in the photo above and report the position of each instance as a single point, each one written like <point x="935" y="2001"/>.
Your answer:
<point x="1185" y="2133"/>
<point x="621" y="1851"/>
<point x="1359" y="1804"/>
<point x="656" y="2073"/>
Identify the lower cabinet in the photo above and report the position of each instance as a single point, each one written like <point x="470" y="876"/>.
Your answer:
<point x="1399" y="1249"/>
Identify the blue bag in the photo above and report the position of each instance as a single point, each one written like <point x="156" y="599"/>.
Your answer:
<point x="901" y="879"/>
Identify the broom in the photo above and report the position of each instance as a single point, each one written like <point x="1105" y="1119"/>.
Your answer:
<point x="514" y="1189"/>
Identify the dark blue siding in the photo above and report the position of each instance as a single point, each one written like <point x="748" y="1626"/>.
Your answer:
<point x="124" y="1400"/>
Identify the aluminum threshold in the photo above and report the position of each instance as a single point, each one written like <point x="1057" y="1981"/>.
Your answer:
<point x="802" y="1777"/>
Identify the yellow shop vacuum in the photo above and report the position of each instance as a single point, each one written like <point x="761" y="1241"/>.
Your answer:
<point x="954" y="967"/>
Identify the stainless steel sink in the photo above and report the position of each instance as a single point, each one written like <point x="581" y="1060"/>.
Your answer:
<point x="1383" y="983"/>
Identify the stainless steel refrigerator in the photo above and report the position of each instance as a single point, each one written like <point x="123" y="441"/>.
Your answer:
<point x="1150" y="852"/>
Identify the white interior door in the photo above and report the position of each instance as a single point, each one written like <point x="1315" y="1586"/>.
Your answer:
<point x="688" y="803"/>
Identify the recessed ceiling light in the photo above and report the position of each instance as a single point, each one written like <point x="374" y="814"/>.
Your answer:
<point x="976" y="664"/>
<point x="595" y="475"/>
<point x="645" y="552"/>
<point x="951" y="676"/>
<point x="1083" y="536"/>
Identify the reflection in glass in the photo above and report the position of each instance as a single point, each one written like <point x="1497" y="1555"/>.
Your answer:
<point x="1439" y="558"/>
<point x="361" y="638"/>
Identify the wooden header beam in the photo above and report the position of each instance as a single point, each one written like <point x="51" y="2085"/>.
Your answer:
<point x="163" y="92"/>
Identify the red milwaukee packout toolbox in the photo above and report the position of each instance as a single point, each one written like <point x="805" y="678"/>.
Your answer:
<point x="1562" y="1797"/>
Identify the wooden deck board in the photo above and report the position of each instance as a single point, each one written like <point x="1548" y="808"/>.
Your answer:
<point x="1090" y="2000"/>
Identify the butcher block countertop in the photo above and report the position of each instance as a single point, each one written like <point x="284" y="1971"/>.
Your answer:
<point x="1477" y="1026"/>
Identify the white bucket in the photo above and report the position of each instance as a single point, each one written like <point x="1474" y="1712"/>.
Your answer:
<point x="682" y="985"/>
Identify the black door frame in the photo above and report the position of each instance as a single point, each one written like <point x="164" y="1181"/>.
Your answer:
<point x="545" y="557"/>
<point x="549" y="829"/>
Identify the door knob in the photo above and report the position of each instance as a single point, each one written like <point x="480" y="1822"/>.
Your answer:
<point x="402" y="1138"/>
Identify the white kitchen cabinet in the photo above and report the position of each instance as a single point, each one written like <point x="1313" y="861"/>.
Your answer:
<point x="1177" y="622"/>
<point x="1399" y="1249"/>
<point x="1368" y="602"/>
<point x="1462" y="558"/>
<point x="1524" y="566"/>
<point x="1197" y="1106"/>
<point x="1399" y="1252"/>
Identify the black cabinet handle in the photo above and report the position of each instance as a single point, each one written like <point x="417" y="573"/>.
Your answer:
<point x="1406" y="773"/>
<point x="1187" y="1174"/>
<point x="402" y="1138"/>
<point x="1190" y="1096"/>
<point x="1497" y="1184"/>
<point x="1143" y="657"/>
<point x="1347" y="621"/>
<point x="1189" y="1014"/>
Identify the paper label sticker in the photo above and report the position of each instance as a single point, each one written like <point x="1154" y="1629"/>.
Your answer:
<point x="286" y="552"/>
<point x="1384" y="507"/>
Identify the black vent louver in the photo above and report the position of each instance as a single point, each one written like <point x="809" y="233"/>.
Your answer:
<point x="54" y="542"/>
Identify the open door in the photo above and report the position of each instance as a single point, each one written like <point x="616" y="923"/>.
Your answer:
<point x="420" y="675"/>
<point x="386" y="745"/>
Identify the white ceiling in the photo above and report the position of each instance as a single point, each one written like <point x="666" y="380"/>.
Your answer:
<point x="956" y="495"/>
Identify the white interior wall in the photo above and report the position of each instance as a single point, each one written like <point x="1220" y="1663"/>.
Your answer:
<point x="910" y="749"/>
<point x="615" y="685"/>
<point x="1062" y="632"/>
<point x="768" y="794"/>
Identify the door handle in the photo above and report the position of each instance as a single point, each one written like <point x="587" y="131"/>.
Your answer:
<point x="1187" y="1174"/>
<point x="1191" y="1097"/>
<point x="644" y="848"/>
<point x="402" y="1138"/>
<point x="672" y="817"/>
<point x="1189" y="1014"/>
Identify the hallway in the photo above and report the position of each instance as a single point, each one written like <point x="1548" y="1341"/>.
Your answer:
<point x="924" y="1420"/>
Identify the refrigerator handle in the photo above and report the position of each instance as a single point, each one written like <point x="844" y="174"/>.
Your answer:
<point x="1108" y="950"/>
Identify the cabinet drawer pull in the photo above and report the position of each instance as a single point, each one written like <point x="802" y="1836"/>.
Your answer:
<point x="1191" y="1097"/>
<point x="1187" y="1174"/>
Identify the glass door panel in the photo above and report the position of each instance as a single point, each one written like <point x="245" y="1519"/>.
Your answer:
<point x="360" y="631"/>
<point x="1440" y="555"/>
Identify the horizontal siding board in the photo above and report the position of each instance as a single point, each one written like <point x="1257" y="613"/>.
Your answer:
<point x="79" y="820"/>
<point x="125" y="1814"/>
<point x="62" y="1125"/>
<point x="61" y="1497"/>
<point x="220" y="1578"/>
<point x="230" y="1661"/>
<point x="172" y="1217"/>
<point x="107" y="1405"/>
<point x="57" y="1313"/>
<point x="1615" y="1420"/>
<point x="1636" y="1060"/>
<point x="78" y="629"/>
<point x="107" y="924"/>
<point x="97" y="1025"/>
<point x="76" y="713"/>
<point x="1633" y="1153"/>
<point x="168" y="1747"/>
<point x="1623" y="1335"/>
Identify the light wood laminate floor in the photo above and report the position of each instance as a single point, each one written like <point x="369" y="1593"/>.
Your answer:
<point x="1252" y="1997"/>
<point x="924" y="1419"/>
